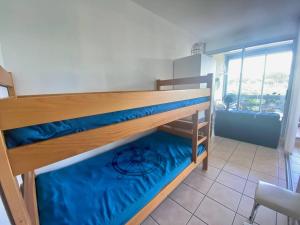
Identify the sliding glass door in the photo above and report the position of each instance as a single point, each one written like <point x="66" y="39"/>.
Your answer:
<point x="258" y="77"/>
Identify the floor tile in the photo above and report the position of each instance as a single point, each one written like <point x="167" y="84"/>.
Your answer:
<point x="239" y="220"/>
<point x="282" y="219"/>
<point x="232" y="181"/>
<point x="255" y="176"/>
<point x="250" y="189"/>
<point x="149" y="221"/>
<point x="211" y="173"/>
<point x="229" y="143"/>
<point x="239" y="153"/>
<point x="237" y="169"/>
<point x="216" y="162"/>
<point x="270" y="162"/>
<point x="214" y="213"/>
<point x="245" y="206"/>
<point x="195" y="221"/>
<point x="266" y="169"/>
<point x="187" y="197"/>
<point x="222" y="154"/>
<point x="242" y="161"/>
<point x="225" y="196"/>
<point x="170" y="213"/>
<point x="199" y="182"/>
<point x="265" y="216"/>
<point x="243" y="146"/>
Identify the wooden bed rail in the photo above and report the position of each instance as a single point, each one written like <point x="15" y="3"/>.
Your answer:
<point x="186" y="80"/>
<point x="33" y="156"/>
<point x="6" y="80"/>
<point x="21" y="112"/>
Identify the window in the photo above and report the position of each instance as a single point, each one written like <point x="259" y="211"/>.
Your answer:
<point x="258" y="77"/>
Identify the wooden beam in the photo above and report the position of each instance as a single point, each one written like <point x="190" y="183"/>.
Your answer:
<point x="5" y="78"/>
<point x="187" y="125"/>
<point x="195" y="136"/>
<point x="186" y="80"/>
<point x="163" y="194"/>
<point x="11" y="89"/>
<point x="21" y="112"/>
<point x="207" y="129"/>
<point x="183" y="124"/>
<point x="201" y="139"/>
<point x="11" y="191"/>
<point x="29" y="193"/>
<point x="29" y="157"/>
<point x="176" y="131"/>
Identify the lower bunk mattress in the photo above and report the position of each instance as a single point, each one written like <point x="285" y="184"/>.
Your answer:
<point x="112" y="187"/>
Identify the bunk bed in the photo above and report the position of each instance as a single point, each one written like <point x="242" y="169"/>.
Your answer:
<point x="123" y="185"/>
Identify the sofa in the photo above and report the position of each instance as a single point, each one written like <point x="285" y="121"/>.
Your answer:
<point x="257" y="128"/>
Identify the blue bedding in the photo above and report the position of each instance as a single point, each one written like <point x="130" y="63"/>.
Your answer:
<point x="28" y="135"/>
<point x="112" y="187"/>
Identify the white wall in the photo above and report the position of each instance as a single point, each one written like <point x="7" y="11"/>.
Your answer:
<point x="79" y="46"/>
<point x="75" y="46"/>
<point x="294" y="110"/>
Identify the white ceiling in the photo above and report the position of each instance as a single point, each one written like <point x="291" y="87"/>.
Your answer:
<point x="209" y="19"/>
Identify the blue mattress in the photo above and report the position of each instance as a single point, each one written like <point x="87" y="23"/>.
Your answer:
<point x="32" y="134"/>
<point x="112" y="187"/>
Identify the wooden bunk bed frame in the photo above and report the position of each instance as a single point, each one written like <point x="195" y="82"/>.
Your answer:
<point x="21" y="111"/>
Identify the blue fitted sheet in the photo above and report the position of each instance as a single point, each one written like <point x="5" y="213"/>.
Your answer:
<point x="32" y="134"/>
<point x="112" y="187"/>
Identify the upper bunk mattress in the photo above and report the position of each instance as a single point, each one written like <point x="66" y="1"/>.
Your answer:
<point x="112" y="187"/>
<point x="28" y="135"/>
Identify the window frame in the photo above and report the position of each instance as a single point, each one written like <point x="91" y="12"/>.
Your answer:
<point x="248" y="52"/>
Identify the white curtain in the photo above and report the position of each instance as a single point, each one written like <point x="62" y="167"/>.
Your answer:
<point x="294" y="111"/>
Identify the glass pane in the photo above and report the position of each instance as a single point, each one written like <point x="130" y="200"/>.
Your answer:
<point x="278" y="68"/>
<point x="233" y="80"/>
<point x="251" y="85"/>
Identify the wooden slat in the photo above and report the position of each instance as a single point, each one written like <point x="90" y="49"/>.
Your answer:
<point x="187" y="80"/>
<point x="181" y="124"/>
<point x="30" y="157"/>
<point x="10" y="188"/>
<point x="21" y="112"/>
<point x="29" y="193"/>
<point x="163" y="194"/>
<point x="176" y="131"/>
<point x="201" y="139"/>
<point x="5" y="78"/>
<point x="202" y="124"/>
<point x="188" y="125"/>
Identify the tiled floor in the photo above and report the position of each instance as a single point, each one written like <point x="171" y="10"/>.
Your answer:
<point x="223" y="195"/>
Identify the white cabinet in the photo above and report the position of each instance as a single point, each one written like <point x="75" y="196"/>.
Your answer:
<point x="195" y="65"/>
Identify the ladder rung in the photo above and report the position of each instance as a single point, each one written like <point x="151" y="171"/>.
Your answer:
<point x="202" y="124"/>
<point x="201" y="139"/>
<point x="176" y="131"/>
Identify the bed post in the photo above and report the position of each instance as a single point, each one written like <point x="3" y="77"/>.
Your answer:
<point x="11" y="196"/>
<point x="158" y="85"/>
<point x="195" y="134"/>
<point x="29" y="193"/>
<point x="207" y="129"/>
<point x="11" y="89"/>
